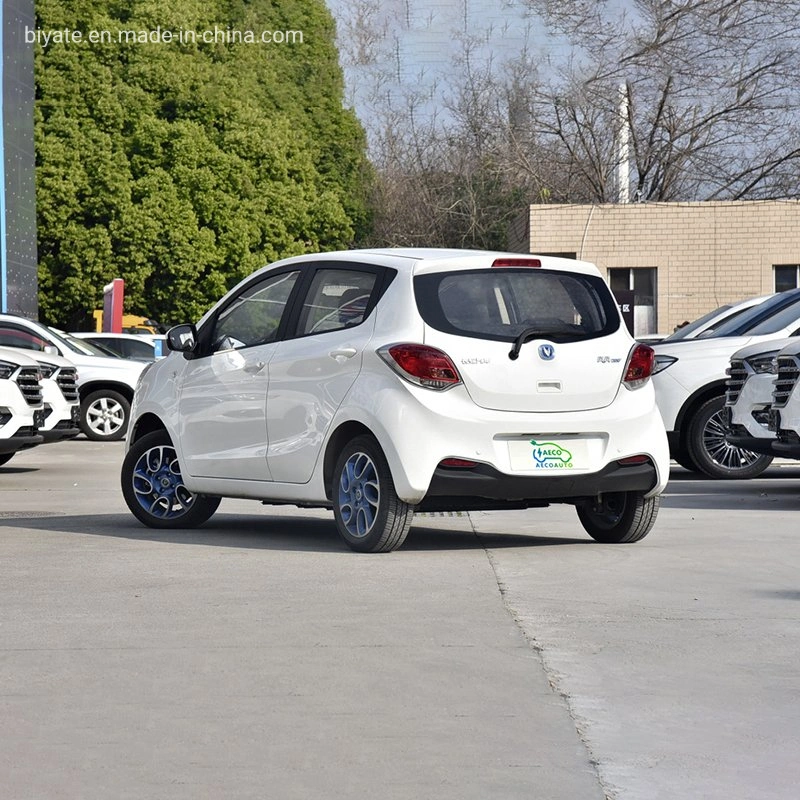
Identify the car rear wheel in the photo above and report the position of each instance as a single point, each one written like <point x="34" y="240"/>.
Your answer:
<point x="104" y="415"/>
<point x="619" y="517"/>
<point x="153" y="487"/>
<point x="370" y="517"/>
<point x="706" y="445"/>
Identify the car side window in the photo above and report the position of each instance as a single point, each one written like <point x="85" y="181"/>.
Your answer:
<point x="336" y="299"/>
<point x="12" y="336"/>
<point x="254" y="316"/>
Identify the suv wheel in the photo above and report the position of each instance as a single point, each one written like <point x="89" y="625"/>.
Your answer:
<point x="706" y="446"/>
<point x="370" y="517"/>
<point x="619" y="517"/>
<point x="104" y="415"/>
<point x="153" y="486"/>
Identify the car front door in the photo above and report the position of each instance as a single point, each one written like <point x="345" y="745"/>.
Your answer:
<point x="223" y="391"/>
<point x="311" y="373"/>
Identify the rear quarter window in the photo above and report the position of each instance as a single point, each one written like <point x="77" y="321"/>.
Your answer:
<point x="502" y="303"/>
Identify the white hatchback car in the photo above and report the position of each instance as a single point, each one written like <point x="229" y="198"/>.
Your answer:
<point x="380" y="382"/>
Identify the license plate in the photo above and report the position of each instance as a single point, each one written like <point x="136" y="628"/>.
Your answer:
<point x="549" y="454"/>
<point x="76" y="414"/>
<point x="774" y="423"/>
<point x="38" y="419"/>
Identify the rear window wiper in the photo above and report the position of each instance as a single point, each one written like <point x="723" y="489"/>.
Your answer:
<point x="528" y="333"/>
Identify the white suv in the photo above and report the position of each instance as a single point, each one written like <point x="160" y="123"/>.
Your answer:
<point x="689" y="380"/>
<point x="380" y="382"/>
<point x="21" y="407"/>
<point x="106" y="383"/>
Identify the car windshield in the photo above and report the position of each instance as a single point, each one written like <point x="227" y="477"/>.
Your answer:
<point x="502" y="304"/>
<point x="688" y="330"/>
<point x="768" y="317"/>
<point x="82" y="347"/>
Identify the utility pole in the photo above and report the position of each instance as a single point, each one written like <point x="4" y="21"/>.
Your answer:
<point x="623" y="155"/>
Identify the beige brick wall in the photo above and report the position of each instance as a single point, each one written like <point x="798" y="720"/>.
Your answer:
<point x="706" y="254"/>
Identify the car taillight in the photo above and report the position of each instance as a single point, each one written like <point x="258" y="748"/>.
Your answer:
<point x="517" y="262"/>
<point x="639" y="367"/>
<point x="422" y="365"/>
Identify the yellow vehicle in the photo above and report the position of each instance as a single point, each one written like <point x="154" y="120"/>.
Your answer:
<point x="131" y="323"/>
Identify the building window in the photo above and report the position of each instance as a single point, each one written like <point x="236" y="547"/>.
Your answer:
<point x="786" y="276"/>
<point x="642" y="281"/>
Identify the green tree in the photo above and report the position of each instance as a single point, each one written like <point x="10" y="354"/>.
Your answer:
<point x="181" y="167"/>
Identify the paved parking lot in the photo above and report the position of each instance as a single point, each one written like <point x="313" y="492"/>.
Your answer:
<point x="497" y="655"/>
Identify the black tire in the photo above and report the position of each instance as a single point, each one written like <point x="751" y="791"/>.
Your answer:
<point x="681" y="456"/>
<point x="619" y="517"/>
<point x="706" y="446"/>
<point x="105" y="415"/>
<point x="5" y="458"/>
<point x="370" y="517"/>
<point x="153" y="487"/>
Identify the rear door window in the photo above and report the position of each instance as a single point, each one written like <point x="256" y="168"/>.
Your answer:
<point x="502" y="303"/>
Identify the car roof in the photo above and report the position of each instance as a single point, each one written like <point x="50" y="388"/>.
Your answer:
<point x="421" y="259"/>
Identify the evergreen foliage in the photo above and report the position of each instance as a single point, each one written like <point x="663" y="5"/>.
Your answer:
<point x="182" y="167"/>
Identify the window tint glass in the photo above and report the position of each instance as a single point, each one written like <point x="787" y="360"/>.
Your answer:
<point x="336" y="299"/>
<point x="748" y="320"/>
<point x="11" y="336"/>
<point x="253" y="317"/>
<point x="501" y="304"/>
<point x="783" y="319"/>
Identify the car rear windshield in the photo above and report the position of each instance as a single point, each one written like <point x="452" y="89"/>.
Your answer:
<point x="502" y="303"/>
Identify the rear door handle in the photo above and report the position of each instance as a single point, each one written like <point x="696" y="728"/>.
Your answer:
<point x="342" y="353"/>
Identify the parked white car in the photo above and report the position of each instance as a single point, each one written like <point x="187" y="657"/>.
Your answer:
<point x="785" y="411"/>
<point x="141" y="346"/>
<point x="105" y="383"/>
<point x="62" y="408"/>
<point x="380" y="382"/>
<point x="689" y="379"/>
<point x="708" y="323"/>
<point x="748" y="395"/>
<point x="21" y="407"/>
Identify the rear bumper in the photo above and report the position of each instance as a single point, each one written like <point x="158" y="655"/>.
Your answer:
<point x="483" y="487"/>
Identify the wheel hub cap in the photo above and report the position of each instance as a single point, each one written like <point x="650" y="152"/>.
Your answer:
<point x="359" y="495"/>
<point x="158" y="485"/>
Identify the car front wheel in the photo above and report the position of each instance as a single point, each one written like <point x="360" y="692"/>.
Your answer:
<point x="619" y="517"/>
<point x="370" y="517"/>
<point x="153" y="487"/>
<point x="708" y="449"/>
<point x="104" y="415"/>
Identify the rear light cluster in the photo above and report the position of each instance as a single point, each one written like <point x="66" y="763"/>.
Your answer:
<point x="639" y="367"/>
<point x="421" y="365"/>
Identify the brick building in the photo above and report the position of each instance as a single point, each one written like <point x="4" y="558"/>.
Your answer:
<point x="680" y="259"/>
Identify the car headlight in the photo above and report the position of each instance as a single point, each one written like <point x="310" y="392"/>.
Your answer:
<point x="47" y="369"/>
<point x="7" y="369"/>
<point x="662" y="363"/>
<point x="764" y="363"/>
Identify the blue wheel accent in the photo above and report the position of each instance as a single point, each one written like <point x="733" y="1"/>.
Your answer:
<point x="359" y="495"/>
<point x="158" y="485"/>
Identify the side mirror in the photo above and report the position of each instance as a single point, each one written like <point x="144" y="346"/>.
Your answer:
<point x="51" y="349"/>
<point x="182" y="339"/>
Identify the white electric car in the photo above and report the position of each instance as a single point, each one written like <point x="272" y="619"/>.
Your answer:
<point x="380" y="382"/>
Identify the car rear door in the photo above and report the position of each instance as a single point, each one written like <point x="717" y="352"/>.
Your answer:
<point x="311" y="372"/>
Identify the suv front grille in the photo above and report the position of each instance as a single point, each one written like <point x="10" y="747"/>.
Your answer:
<point x="28" y="382"/>
<point x="67" y="380"/>
<point x="788" y="373"/>
<point x="736" y="381"/>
